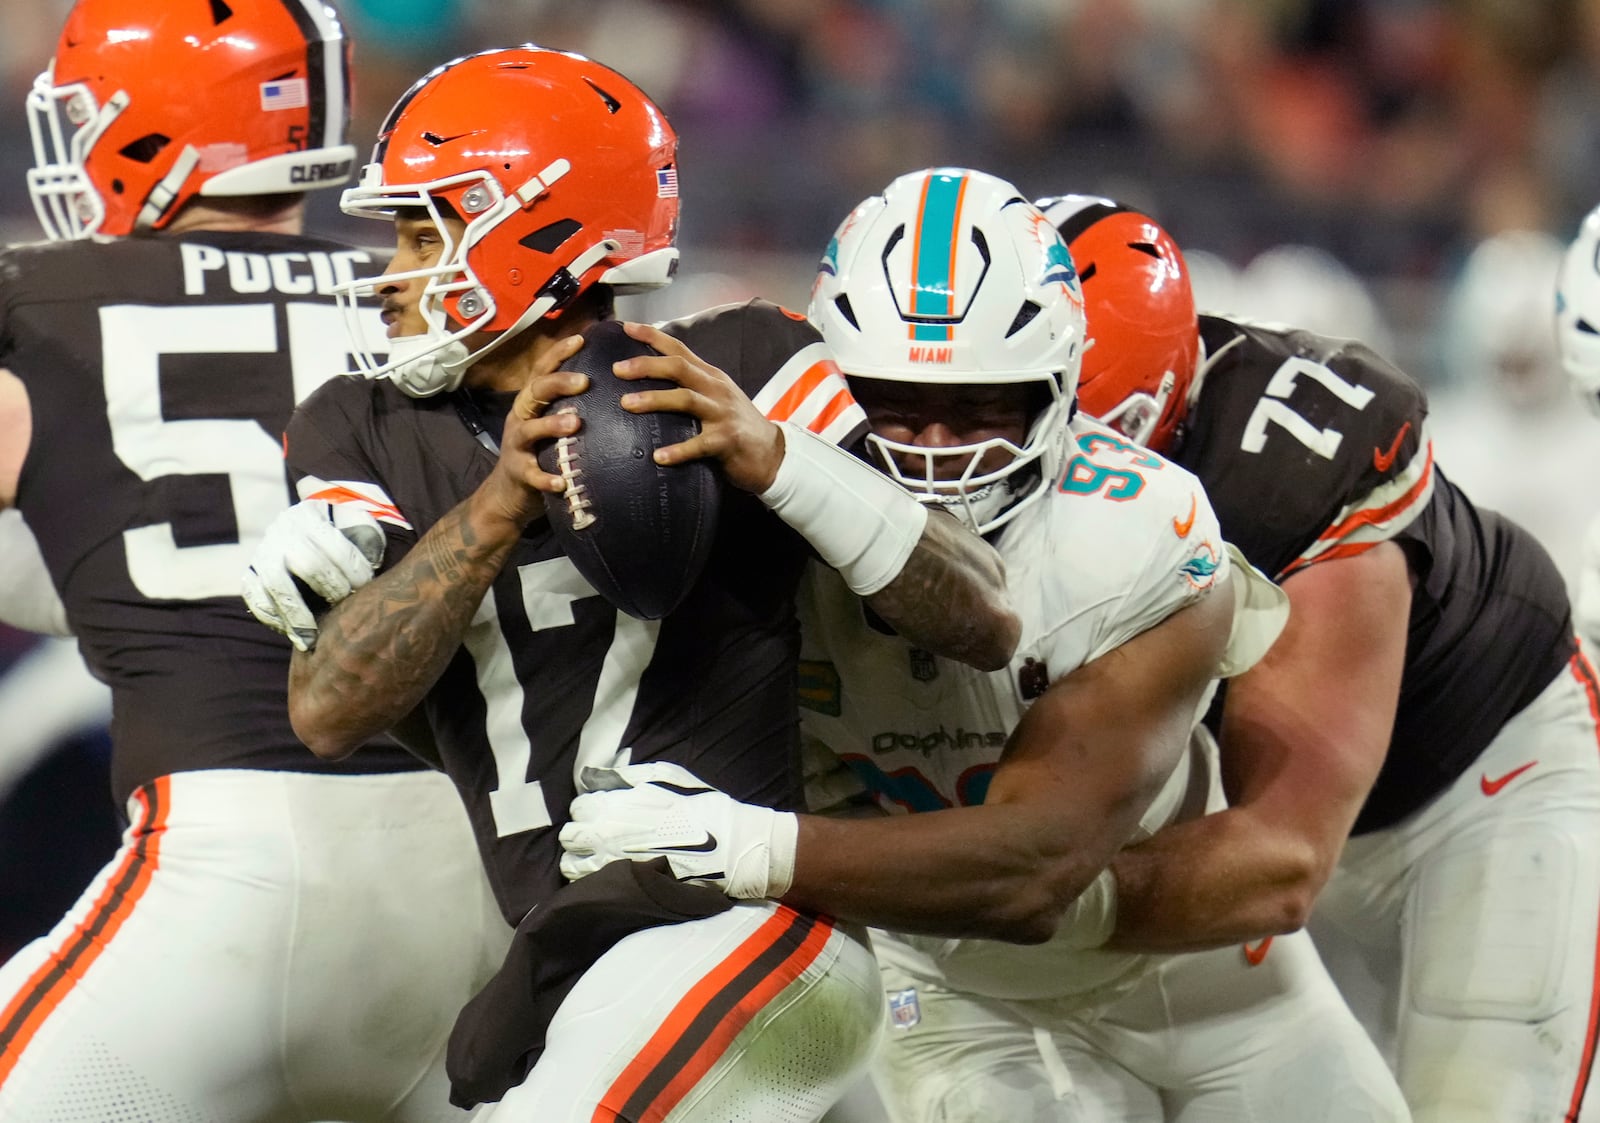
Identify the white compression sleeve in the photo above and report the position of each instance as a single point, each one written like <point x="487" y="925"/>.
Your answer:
<point x="28" y="599"/>
<point x="858" y="520"/>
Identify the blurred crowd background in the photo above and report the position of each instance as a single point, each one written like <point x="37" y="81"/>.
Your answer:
<point x="1403" y="171"/>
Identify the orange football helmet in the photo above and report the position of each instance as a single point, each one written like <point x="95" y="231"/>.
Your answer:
<point x="565" y="175"/>
<point x="1144" y="332"/>
<point x="147" y="105"/>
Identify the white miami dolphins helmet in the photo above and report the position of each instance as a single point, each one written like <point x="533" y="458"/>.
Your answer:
<point x="952" y="278"/>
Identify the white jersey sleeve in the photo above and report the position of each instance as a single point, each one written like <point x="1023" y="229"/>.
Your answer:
<point x="1124" y="540"/>
<point x="28" y="598"/>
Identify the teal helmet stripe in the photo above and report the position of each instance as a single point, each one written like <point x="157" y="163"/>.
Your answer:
<point x="933" y="270"/>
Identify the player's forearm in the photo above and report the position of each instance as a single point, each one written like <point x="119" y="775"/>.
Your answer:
<point x="937" y="584"/>
<point x="382" y="648"/>
<point x="951" y="598"/>
<point x="1304" y="733"/>
<point x="1221" y="879"/>
<point x="1003" y="874"/>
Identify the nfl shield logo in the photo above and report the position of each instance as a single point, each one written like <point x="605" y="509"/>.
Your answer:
<point x="924" y="667"/>
<point x="904" y="1012"/>
<point x="1033" y="678"/>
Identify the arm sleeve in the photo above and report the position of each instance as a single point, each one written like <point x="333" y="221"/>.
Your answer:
<point x="327" y="460"/>
<point x="28" y="598"/>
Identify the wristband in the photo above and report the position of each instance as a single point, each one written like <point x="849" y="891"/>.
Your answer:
<point x="757" y="855"/>
<point x="1092" y="917"/>
<point x="781" y="847"/>
<point x="858" y="520"/>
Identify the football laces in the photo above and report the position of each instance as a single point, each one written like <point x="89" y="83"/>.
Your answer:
<point x="567" y="464"/>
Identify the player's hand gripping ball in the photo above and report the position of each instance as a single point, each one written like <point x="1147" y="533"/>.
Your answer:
<point x="638" y="532"/>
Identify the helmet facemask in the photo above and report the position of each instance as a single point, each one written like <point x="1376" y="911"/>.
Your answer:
<point x="984" y="500"/>
<point x="64" y="197"/>
<point x="437" y="360"/>
<point x="434" y="361"/>
<point x="1138" y="414"/>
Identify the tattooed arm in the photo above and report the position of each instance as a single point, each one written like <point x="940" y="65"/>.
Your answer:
<point x="951" y="597"/>
<point x="381" y="649"/>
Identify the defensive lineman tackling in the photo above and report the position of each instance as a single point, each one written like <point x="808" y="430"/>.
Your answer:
<point x="1024" y="782"/>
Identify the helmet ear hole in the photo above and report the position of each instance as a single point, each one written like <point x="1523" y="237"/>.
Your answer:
<point x="548" y="239"/>
<point x="1023" y="318"/>
<point x="842" y="302"/>
<point x="146" y="148"/>
<point x="612" y="104"/>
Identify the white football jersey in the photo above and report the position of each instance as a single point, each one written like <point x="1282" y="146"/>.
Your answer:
<point x="1122" y="540"/>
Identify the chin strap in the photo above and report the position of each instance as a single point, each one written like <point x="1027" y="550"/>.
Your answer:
<point x="563" y="285"/>
<point x="438" y="366"/>
<point x="165" y="193"/>
<point x="1205" y="366"/>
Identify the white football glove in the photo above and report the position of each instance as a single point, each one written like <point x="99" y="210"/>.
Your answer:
<point x="658" y="810"/>
<point x="335" y="548"/>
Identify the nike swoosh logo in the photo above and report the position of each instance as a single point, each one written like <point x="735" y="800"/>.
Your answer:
<point x="1184" y="526"/>
<point x="1383" y="461"/>
<point x="677" y="789"/>
<point x="705" y="847"/>
<point x="1255" y="953"/>
<point x="1492" y="787"/>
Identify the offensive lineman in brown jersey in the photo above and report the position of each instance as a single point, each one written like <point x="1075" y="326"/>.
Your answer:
<point x="211" y="970"/>
<point x="1417" y="755"/>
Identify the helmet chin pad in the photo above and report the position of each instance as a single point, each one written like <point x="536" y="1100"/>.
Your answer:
<point x="422" y="367"/>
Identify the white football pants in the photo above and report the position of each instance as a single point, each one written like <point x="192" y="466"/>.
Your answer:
<point x="1465" y="937"/>
<point x="265" y="947"/>
<point x="1208" y="1037"/>
<point x="982" y="1031"/>
<point x="760" y="1014"/>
